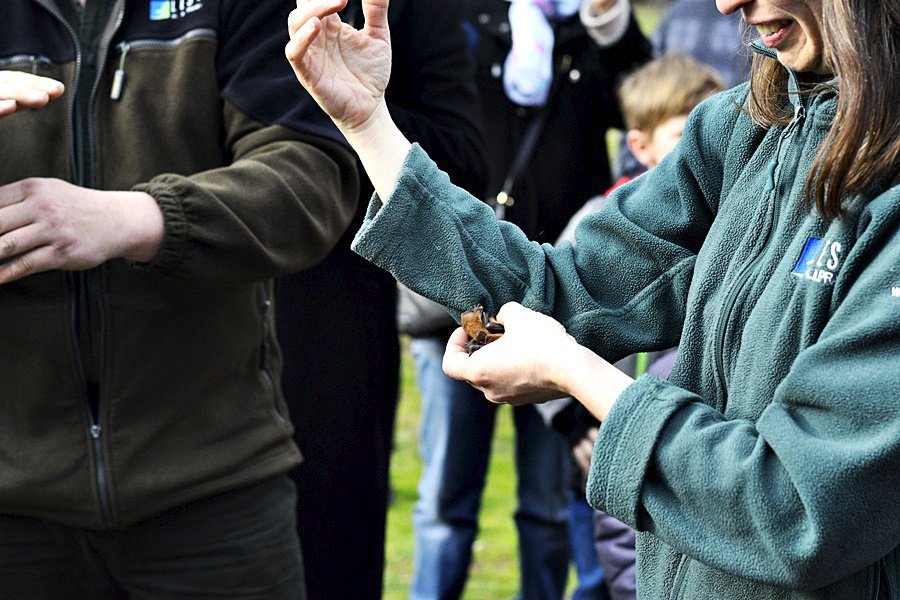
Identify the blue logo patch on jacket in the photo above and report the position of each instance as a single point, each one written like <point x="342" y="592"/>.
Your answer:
<point x="819" y="260"/>
<point x="161" y="10"/>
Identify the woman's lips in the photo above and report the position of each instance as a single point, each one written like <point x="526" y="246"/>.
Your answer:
<point x="773" y="32"/>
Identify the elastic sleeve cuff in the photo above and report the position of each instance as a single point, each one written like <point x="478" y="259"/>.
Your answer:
<point x="176" y="226"/>
<point x="625" y="445"/>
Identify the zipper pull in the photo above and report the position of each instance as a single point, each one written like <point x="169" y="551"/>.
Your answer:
<point x="119" y="77"/>
<point x="799" y="113"/>
<point x="770" y="181"/>
<point x="38" y="62"/>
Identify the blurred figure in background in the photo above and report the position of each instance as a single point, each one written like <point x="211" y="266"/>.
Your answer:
<point x="337" y="327"/>
<point x="697" y="28"/>
<point x="547" y="73"/>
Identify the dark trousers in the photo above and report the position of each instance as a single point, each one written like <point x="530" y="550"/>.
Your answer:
<point x="240" y="544"/>
<point x="337" y="328"/>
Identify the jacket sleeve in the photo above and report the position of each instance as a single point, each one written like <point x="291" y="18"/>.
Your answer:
<point x="807" y="494"/>
<point x="291" y="187"/>
<point x="620" y="289"/>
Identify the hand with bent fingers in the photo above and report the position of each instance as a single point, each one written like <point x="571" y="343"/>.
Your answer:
<point x="584" y="449"/>
<point x="51" y="224"/>
<point x="534" y="361"/>
<point x="20" y="91"/>
<point x="516" y="368"/>
<point x="345" y="70"/>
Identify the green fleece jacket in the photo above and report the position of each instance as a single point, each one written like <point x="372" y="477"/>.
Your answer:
<point x="769" y="465"/>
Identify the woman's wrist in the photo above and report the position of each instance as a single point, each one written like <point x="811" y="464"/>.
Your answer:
<point x="594" y="382"/>
<point x="381" y="147"/>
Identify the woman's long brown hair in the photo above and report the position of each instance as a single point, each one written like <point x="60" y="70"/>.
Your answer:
<point x="861" y="153"/>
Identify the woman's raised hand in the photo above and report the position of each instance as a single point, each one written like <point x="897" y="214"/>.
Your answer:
<point x="344" y="69"/>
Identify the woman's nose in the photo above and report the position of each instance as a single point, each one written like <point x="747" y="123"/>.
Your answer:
<point x="726" y="7"/>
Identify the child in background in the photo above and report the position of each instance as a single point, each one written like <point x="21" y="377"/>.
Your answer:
<point x="655" y="100"/>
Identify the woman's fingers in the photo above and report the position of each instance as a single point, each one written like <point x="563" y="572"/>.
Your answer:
<point x="307" y="9"/>
<point x="456" y="356"/>
<point x="300" y="41"/>
<point x="376" y="16"/>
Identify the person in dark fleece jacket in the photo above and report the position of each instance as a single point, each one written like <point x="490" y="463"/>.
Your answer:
<point x="766" y="244"/>
<point x="144" y="211"/>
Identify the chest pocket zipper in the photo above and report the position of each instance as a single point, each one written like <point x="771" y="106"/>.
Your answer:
<point x="118" y="83"/>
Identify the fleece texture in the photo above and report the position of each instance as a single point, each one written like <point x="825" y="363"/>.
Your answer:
<point x="768" y="466"/>
<point x="182" y="350"/>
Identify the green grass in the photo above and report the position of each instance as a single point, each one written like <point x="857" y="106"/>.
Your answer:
<point x="494" y="571"/>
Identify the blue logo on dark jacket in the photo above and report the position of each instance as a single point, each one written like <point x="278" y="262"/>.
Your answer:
<point x="161" y="10"/>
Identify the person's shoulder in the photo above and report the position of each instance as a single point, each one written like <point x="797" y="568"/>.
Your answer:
<point x="720" y="128"/>
<point x="727" y="102"/>
<point x="886" y="204"/>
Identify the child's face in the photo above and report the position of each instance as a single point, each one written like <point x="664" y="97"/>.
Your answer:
<point x="665" y="136"/>
<point x="650" y="149"/>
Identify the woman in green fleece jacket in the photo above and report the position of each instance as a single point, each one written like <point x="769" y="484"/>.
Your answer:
<point x="767" y="244"/>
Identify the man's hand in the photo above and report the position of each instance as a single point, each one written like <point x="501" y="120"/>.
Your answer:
<point x="345" y="70"/>
<point x="584" y="449"/>
<point x="21" y="91"/>
<point x="51" y="224"/>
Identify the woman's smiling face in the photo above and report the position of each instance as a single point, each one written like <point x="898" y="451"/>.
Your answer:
<point x="793" y="28"/>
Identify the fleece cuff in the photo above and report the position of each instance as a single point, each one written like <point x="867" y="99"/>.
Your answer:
<point x="175" y="222"/>
<point x="624" y="448"/>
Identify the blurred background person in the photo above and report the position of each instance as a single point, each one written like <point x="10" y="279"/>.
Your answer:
<point x="547" y="73"/>
<point x="337" y="326"/>
<point x="697" y="28"/>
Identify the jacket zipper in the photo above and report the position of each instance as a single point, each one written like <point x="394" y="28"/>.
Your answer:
<point x="89" y="282"/>
<point x="37" y="62"/>
<point x="881" y="582"/>
<point x="115" y="92"/>
<point x="95" y="428"/>
<point x="678" y="582"/>
<point x="743" y="276"/>
<point x="266" y="309"/>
